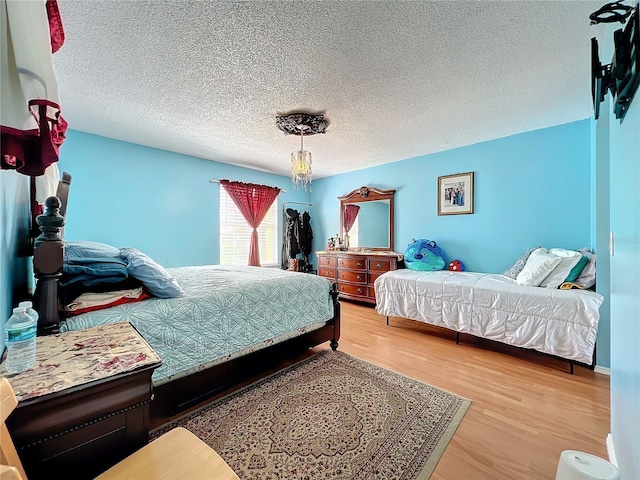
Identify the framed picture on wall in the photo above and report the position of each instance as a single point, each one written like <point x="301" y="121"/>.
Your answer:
<point x="455" y="194"/>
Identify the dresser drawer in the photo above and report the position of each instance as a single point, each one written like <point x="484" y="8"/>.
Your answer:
<point x="352" y="276"/>
<point x="327" y="272"/>
<point x="353" y="290"/>
<point x="379" y="265"/>
<point x="328" y="261"/>
<point x="353" y="263"/>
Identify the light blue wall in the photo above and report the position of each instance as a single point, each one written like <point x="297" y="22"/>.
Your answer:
<point x="159" y="202"/>
<point x="601" y="224"/>
<point x="15" y="271"/>
<point x="530" y="189"/>
<point x="624" y="158"/>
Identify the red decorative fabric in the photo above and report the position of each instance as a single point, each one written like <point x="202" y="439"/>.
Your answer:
<point x="30" y="152"/>
<point x="350" y="214"/>
<point x="120" y="301"/>
<point x="253" y="201"/>
<point x="55" y="25"/>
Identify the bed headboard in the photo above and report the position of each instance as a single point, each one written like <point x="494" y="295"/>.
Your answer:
<point x="48" y="257"/>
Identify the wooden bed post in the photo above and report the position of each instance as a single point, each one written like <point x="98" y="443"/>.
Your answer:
<point x="48" y="258"/>
<point x="336" y="316"/>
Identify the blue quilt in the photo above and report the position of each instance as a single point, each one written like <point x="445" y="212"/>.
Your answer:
<point x="227" y="311"/>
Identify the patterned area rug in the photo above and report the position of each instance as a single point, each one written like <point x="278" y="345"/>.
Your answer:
<point x="331" y="416"/>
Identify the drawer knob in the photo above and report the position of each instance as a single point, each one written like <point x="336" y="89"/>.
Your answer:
<point x="359" y="277"/>
<point x="359" y="264"/>
<point x="379" y="265"/>
<point x="359" y="290"/>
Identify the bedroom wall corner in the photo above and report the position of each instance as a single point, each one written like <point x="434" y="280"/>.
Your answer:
<point x="15" y="271"/>
<point x="600" y="237"/>
<point x="624" y="211"/>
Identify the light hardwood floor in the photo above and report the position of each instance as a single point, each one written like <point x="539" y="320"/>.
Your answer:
<point x="526" y="407"/>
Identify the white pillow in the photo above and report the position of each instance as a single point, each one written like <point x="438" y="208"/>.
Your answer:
<point x="538" y="266"/>
<point x="568" y="260"/>
<point x="587" y="278"/>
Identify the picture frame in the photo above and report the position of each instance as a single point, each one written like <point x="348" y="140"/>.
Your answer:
<point x="455" y="194"/>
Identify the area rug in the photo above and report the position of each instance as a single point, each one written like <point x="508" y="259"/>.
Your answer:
<point x="331" y="416"/>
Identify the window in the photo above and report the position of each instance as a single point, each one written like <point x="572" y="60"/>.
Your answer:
<point x="235" y="234"/>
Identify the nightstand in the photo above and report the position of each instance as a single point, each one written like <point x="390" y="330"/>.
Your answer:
<point x="85" y="404"/>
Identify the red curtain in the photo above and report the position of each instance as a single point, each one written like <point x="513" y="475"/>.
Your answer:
<point x="253" y="201"/>
<point x="350" y="214"/>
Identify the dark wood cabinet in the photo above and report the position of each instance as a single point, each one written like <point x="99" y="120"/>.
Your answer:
<point x="80" y="431"/>
<point x="356" y="272"/>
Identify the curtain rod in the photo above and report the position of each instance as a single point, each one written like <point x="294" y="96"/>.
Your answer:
<point x="298" y="203"/>
<point x="215" y="180"/>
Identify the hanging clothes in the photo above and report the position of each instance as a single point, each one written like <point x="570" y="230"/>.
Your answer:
<point x="306" y="236"/>
<point x="291" y="239"/>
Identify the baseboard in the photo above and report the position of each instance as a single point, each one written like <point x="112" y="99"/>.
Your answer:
<point x="611" y="452"/>
<point x="603" y="370"/>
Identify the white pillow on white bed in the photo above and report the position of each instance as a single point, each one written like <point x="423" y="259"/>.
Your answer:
<point x="539" y="265"/>
<point x="568" y="260"/>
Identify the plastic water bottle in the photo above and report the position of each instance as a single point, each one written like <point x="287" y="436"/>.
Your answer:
<point x="20" y="339"/>
<point x="29" y="310"/>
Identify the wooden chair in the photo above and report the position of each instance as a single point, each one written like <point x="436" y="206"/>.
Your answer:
<point x="10" y="464"/>
<point x="178" y="454"/>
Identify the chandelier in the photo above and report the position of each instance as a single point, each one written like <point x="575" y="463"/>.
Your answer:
<point x="301" y="124"/>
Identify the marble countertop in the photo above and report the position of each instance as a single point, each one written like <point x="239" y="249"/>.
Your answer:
<point x="385" y="253"/>
<point x="74" y="358"/>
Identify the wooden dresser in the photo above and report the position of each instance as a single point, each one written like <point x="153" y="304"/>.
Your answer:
<point x="356" y="272"/>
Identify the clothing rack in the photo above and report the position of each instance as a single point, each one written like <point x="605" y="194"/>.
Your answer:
<point x="296" y="203"/>
<point x="306" y="267"/>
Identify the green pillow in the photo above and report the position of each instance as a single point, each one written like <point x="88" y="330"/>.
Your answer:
<point x="577" y="270"/>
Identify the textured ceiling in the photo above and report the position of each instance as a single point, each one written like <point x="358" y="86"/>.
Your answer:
<point x="396" y="79"/>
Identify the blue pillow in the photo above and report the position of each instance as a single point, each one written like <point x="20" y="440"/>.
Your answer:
<point x="153" y="276"/>
<point x="90" y="252"/>
<point x="92" y="263"/>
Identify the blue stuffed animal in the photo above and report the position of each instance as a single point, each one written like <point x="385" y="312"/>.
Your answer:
<point x="424" y="254"/>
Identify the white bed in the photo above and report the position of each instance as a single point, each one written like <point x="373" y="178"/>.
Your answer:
<point x="563" y="323"/>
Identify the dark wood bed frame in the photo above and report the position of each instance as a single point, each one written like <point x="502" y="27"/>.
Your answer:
<point x="180" y="394"/>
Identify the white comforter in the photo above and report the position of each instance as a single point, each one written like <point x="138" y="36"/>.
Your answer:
<point x="558" y="322"/>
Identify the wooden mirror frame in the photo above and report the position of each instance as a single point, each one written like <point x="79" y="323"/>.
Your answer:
<point x="369" y="194"/>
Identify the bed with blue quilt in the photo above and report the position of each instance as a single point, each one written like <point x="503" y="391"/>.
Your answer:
<point x="225" y="312"/>
<point x="213" y="326"/>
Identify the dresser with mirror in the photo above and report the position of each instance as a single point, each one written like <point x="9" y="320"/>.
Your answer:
<point x="365" y="247"/>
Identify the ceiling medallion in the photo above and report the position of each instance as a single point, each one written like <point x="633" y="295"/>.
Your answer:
<point x="301" y="124"/>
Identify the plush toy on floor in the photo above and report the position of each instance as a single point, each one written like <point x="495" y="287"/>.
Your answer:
<point x="456" y="266"/>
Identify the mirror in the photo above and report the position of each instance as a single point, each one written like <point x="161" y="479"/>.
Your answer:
<point x="366" y="219"/>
